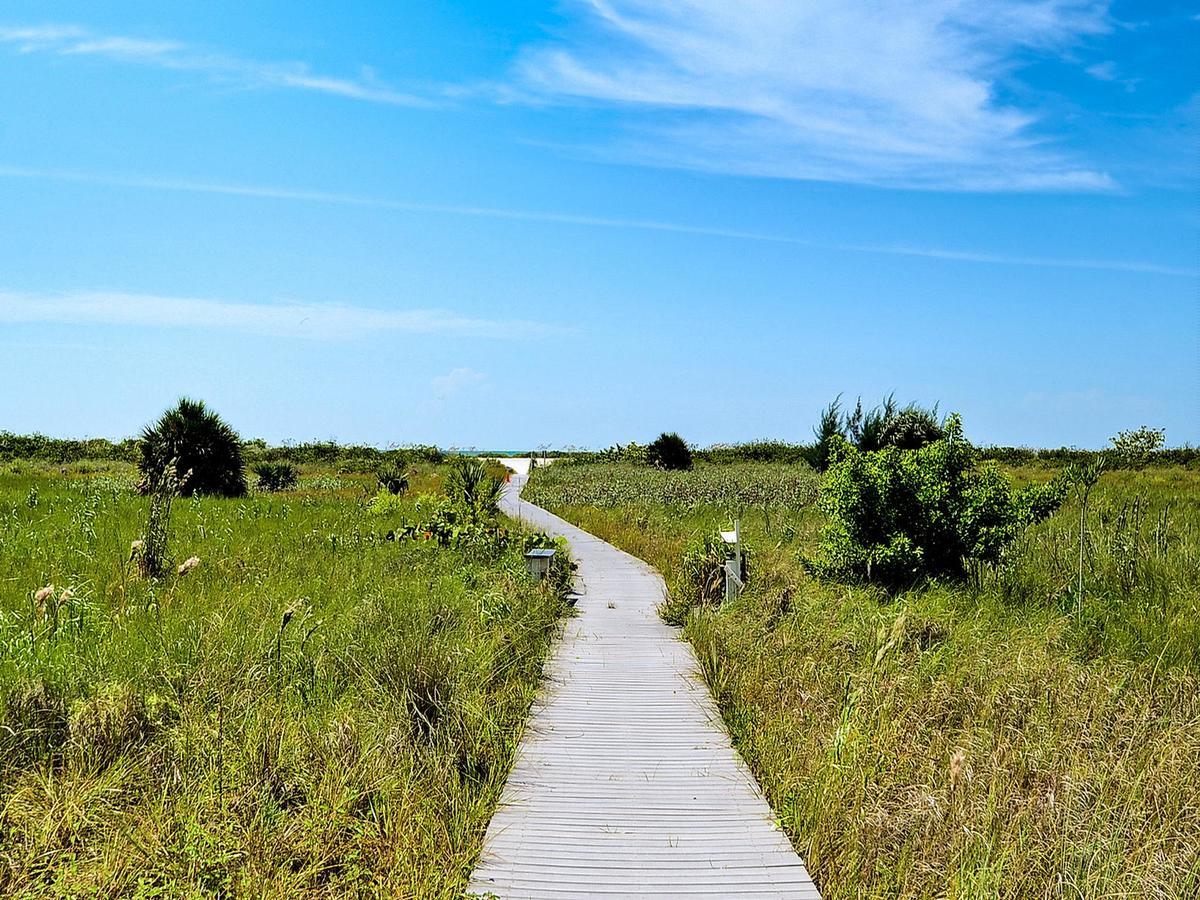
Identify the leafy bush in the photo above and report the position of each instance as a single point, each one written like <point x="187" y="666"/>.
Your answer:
<point x="829" y="427"/>
<point x="911" y="428"/>
<point x="276" y="476"/>
<point x="896" y="516"/>
<point x="886" y="425"/>
<point x="205" y="452"/>
<point x="448" y="523"/>
<point x="669" y="451"/>
<point x="393" y="479"/>
<point x="59" y="450"/>
<point x="633" y="452"/>
<point x="386" y="503"/>
<point x="464" y="518"/>
<point x="472" y="487"/>
<point x="1133" y="449"/>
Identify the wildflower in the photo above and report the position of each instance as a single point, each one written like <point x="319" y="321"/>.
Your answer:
<point x="188" y="564"/>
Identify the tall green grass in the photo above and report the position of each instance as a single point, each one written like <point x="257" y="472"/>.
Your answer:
<point x="312" y="710"/>
<point x="999" y="738"/>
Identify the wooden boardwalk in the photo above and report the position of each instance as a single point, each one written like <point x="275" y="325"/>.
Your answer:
<point x="625" y="784"/>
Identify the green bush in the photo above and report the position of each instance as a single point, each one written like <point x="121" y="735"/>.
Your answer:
<point x="472" y="487"/>
<point x="911" y="428"/>
<point x="276" y="476"/>
<point x="385" y="503"/>
<point x="393" y="479"/>
<point x="896" y="517"/>
<point x="206" y="452"/>
<point x="669" y="451"/>
<point x="1134" y="449"/>
<point x="828" y="428"/>
<point x="886" y="425"/>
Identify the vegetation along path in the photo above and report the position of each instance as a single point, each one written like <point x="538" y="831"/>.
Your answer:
<point x="625" y="783"/>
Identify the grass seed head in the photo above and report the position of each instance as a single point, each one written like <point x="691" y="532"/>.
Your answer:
<point x="958" y="761"/>
<point x="188" y="564"/>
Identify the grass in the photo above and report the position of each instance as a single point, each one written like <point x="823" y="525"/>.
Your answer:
<point x="313" y="710"/>
<point x="1002" y="738"/>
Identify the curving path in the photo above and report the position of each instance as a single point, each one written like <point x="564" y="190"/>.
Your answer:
<point x="625" y="783"/>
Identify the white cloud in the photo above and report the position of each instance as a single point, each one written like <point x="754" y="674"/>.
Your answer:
<point x="456" y="380"/>
<point x="590" y="221"/>
<point x="71" y="40"/>
<point x="1103" y="71"/>
<point x="900" y="93"/>
<point x="304" y="320"/>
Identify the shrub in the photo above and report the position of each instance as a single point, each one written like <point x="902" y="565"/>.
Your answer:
<point x="425" y="453"/>
<point x="473" y="488"/>
<point x="633" y="452"/>
<point x="205" y="453"/>
<point x="276" y="476"/>
<point x="393" y="479"/>
<point x="386" y="503"/>
<point x="895" y="517"/>
<point x="865" y="429"/>
<point x="669" y="451"/>
<point x="445" y="522"/>
<point x="911" y="428"/>
<point x="828" y="427"/>
<point x="886" y="425"/>
<point x="1133" y="449"/>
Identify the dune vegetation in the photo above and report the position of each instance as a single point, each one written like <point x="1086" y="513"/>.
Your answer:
<point x="318" y="694"/>
<point x="999" y="734"/>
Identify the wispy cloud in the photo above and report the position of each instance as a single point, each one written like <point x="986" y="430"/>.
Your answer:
<point x="72" y="40"/>
<point x="898" y="93"/>
<point x="1107" y="71"/>
<point x="302" y="320"/>
<point x="456" y="380"/>
<point x="590" y="221"/>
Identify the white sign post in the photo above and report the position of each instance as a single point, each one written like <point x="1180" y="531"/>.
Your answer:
<point x="733" y="560"/>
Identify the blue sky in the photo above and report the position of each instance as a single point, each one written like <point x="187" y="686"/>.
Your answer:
<point x="523" y="223"/>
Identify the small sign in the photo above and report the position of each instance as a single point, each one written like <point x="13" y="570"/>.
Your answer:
<point x="537" y="562"/>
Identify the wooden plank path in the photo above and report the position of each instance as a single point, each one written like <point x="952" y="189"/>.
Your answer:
<point x="625" y="783"/>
